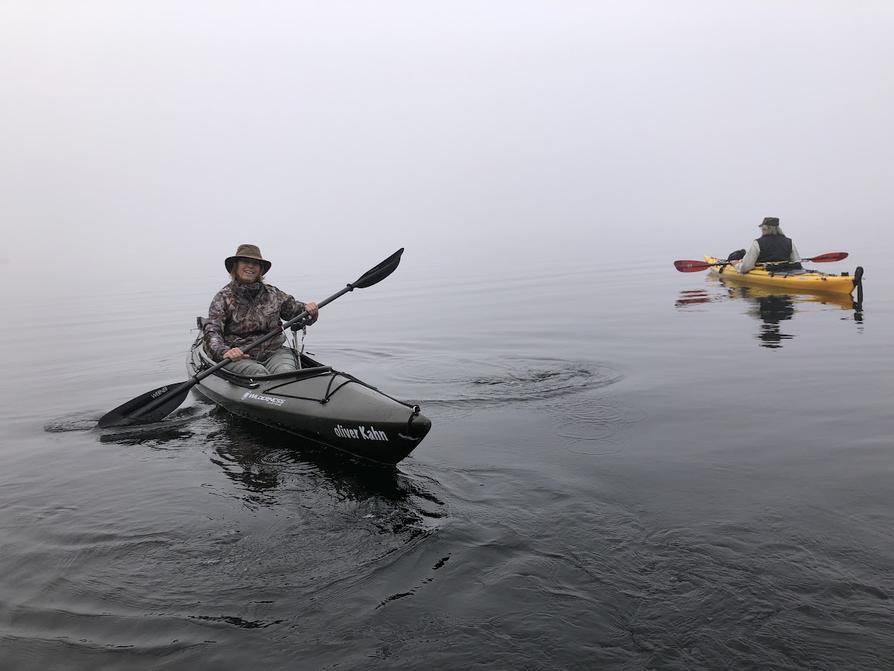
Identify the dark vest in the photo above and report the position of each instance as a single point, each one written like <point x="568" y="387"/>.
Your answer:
<point x="776" y="248"/>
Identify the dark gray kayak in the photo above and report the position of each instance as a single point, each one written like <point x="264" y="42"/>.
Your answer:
<point x="319" y="404"/>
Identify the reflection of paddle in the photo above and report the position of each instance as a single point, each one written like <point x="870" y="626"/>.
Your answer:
<point x="696" y="266"/>
<point x="155" y="405"/>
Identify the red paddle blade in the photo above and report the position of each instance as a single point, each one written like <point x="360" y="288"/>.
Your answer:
<point x="691" y="266"/>
<point x="828" y="258"/>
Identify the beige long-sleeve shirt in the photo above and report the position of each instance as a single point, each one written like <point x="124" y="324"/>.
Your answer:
<point x="750" y="259"/>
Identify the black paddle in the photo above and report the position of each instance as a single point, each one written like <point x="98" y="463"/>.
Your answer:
<point x="696" y="266"/>
<point x="155" y="405"/>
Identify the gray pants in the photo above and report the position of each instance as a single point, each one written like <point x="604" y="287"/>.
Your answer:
<point x="281" y="361"/>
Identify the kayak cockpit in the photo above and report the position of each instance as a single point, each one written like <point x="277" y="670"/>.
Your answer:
<point x="310" y="368"/>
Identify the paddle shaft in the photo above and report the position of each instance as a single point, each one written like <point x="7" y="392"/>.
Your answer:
<point x="695" y="266"/>
<point x="198" y="377"/>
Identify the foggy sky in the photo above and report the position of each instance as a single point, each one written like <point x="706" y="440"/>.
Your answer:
<point x="140" y="133"/>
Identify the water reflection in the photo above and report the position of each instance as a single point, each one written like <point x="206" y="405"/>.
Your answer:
<point x="772" y="309"/>
<point x="693" y="297"/>
<point x="328" y="493"/>
<point x="176" y="429"/>
<point x="261" y="459"/>
<point x="270" y="468"/>
<point x="284" y="516"/>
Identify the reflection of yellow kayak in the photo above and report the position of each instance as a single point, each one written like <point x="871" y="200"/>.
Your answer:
<point x="805" y="281"/>
<point x="738" y="289"/>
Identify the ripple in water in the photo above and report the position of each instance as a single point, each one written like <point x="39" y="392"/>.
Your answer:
<point x="73" y="422"/>
<point x="564" y="389"/>
<point x="505" y="380"/>
<point x="592" y="426"/>
<point x="87" y="422"/>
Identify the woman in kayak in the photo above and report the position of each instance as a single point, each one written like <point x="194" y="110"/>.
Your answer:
<point x="246" y="309"/>
<point x="771" y="247"/>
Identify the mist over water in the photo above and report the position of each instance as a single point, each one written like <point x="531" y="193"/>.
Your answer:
<point x="629" y="467"/>
<point x="506" y="134"/>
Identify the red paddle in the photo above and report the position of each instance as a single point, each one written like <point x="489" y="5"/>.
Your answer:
<point x="696" y="266"/>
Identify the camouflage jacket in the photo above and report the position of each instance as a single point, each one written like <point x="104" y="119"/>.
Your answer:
<point x="240" y="313"/>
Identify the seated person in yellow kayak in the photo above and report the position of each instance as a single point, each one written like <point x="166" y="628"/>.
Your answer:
<point x="772" y="247"/>
<point x="248" y="308"/>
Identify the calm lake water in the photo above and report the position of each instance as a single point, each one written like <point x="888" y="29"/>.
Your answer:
<point x="629" y="468"/>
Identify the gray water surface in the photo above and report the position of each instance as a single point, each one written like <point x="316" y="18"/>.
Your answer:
<point x="629" y="468"/>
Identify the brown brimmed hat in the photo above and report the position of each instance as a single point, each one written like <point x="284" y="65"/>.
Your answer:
<point x="247" y="252"/>
<point x="770" y="221"/>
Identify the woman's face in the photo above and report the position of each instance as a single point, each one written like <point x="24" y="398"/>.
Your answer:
<point x="248" y="270"/>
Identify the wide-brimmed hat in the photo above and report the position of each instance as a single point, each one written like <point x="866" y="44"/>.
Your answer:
<point x="247" y="252"/>
<point x="769" y="221"/>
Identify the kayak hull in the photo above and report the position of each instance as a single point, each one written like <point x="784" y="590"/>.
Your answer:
<point x="807" y="281"/>
<point x="318" y="404"/>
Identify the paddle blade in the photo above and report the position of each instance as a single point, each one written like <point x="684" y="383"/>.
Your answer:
<point x="691" y="266"/>
<point x="380" y="272"/>
<point x="828" y="258"/>
<point x="168" y="399"/>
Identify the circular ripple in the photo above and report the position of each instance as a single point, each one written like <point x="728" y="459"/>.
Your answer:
<point x="501" y="381"/>
<point x="592" y="426"/>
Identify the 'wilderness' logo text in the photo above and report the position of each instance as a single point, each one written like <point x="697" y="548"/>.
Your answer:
<point x="269" y="400"/>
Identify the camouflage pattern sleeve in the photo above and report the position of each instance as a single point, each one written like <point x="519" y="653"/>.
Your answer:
<point x="214" y="325"/>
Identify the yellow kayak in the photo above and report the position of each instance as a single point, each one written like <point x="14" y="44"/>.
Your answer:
<point x="796" y="281"/>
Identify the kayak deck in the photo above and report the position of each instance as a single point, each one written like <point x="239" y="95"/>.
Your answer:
<point x="797" y="281"/>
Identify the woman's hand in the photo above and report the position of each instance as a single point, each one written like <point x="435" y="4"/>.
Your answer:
<point x="234" y="354"/>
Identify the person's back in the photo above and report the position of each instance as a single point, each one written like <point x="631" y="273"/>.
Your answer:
<point x="772" y="247"/>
